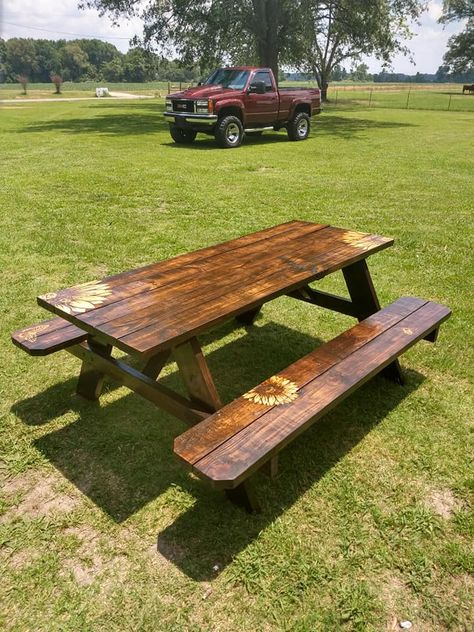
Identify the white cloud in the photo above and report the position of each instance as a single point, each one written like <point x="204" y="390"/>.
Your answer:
<point x="58" y="17"/>
<point x="61" y="19"/>
<point x="435" y="9"/>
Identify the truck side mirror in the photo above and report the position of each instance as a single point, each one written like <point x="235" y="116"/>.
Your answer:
<point x="257" y="87"/>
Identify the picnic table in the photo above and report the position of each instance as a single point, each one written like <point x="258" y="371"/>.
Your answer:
<point x="158" y="311"/>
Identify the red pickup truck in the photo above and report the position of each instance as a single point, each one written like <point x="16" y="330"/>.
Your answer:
<point x="234" y="101"/>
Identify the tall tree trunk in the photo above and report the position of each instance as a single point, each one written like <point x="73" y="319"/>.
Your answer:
<point x="266" y="21"/>
<point x="322" y="78"/>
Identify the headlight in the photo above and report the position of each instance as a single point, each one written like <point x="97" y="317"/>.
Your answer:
<point x="202" y="107"/>
<point x="169" y="105"/>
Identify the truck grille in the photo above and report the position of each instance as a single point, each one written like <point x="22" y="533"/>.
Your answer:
<point x="183" y="105"/>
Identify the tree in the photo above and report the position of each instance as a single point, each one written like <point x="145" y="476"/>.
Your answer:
<point x="20" y="57"/>
<point x="210" y="31"/>
<point x="57" y="80"/>
<point x="75" y="62"/>
<point x="113" y="70"/>
<point x="361" y="73"/>
<point x="459" y="57"/>
<point x="340" y="30"/>
<point x="23" y="81"/>
<point x="98" y="53"/>
<point x="138" y="65"/>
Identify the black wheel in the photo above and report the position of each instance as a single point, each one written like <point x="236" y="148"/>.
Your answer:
<point x="180" y="135"/>
<point x="229" y="132"/>
<point x="299" y="127"/>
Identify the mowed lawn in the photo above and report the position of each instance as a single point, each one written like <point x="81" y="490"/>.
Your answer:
<point x="369" y="521"/>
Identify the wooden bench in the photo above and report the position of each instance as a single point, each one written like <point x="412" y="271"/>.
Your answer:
<point x="49" y="336"/>
<point x="231" y="444"/>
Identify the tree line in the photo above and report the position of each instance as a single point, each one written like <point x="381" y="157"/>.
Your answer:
<point x="85" y="60"/>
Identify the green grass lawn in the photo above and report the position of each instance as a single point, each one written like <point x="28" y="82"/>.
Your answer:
<point x="369" y="520"/>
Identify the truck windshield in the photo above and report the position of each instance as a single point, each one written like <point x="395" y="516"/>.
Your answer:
<point x="228" y="78"/>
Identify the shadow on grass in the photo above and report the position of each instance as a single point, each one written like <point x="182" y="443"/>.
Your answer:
<point x="119" y="124"/>
<point x="343" y="127"/>
<point x="120" y="455"/>
<point x="146" y="118"/>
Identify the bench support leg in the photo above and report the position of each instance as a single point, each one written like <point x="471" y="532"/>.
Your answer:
<point x="433" y="335"/>
<point x="248" y="318"/>
<point x="271" y="467"/>
<point x="155" y="364"/>
<point x="91" y="379"/>
<point x="365" y="302"/>
<point x="244" y="496"/>
<point x="196" y="375"/>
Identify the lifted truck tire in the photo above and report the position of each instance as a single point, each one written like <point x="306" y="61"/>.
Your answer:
<point x="182" y="136"/>
<point x="299" y="127"/>
<point x="229" y="132"/>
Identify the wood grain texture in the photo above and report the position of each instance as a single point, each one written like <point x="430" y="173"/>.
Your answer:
<point x="160" y="306"/>
<point x="228" y="446"/>
<point x="47" y="337"/>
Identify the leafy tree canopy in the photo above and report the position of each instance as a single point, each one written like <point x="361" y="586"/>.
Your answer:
<point x="459" y="58"/>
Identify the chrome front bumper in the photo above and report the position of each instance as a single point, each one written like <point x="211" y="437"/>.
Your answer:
<point x="188" y="116"/>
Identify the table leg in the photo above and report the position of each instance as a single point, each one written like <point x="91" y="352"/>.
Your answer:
<point x="196" y="375"/>
<point x="91" y="379"/>
<point x="155" y="364"/>
<point x="365" y="302"/>
<point x="244" y="496"/>
<point x="248" y="318"/>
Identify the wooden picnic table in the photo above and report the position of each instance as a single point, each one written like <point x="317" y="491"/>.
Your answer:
<point x="158" y="310"/>
<point x="163" y="307"/>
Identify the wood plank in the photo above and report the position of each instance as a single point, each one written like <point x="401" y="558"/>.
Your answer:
<point x="194" y="282"/>
<point x="47" y="337"/>
<point x="183" y="323"/>
<point x="112" y="290"/>
<point x="247" y="450"/>
<point x="199" y="441"/>
<point x="324" y="299"/>
<point x="142" y="312"/>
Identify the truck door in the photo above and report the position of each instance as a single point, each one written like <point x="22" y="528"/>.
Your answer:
<point x="262" y="109"/>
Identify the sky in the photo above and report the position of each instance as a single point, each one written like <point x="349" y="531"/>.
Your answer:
<point x="61" y="19"/>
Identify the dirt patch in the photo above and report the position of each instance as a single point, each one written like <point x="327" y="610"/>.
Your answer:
<point x="90" y="561"/>
<point x="443" y="502"/>
<point x="40" y="497"/>
<point x="20" y="560"/>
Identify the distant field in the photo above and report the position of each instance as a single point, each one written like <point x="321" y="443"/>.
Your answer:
<point x="420" y="96"/>
<point x="82" y="89"/>
<point x="443" y="98"/>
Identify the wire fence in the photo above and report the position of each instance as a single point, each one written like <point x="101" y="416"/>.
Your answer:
<point x="395" y="97"/>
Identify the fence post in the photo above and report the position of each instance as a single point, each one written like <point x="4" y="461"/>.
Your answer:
<point x="335" y="103"/>
<point x="169" y="87"/>
<point x="408" y="97"/>
<point x="370" y="97"/>
<point x="449" y="103"/>
<point x="180" y="87"/>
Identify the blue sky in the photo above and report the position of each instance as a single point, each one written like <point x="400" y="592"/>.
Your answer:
<point x="55" y="19"/>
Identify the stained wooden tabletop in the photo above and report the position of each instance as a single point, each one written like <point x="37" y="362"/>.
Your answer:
<point x="158" y="306"/>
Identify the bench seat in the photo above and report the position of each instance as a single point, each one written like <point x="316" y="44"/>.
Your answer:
<point x="231" y="444"/>
<point x="48" y="336"/>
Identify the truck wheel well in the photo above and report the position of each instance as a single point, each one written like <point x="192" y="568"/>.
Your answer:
<point x="231" y="111"/>
<point x="302" y="107"/>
